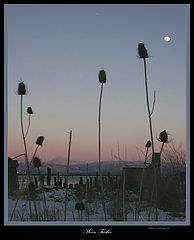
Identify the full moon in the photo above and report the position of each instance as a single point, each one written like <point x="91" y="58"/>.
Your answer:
<point x="167" y="39"/>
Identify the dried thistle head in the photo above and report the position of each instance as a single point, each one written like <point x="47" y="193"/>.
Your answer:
<point x="39" y="140"/>
<point x="21" y="89"/>
<point x="36" y="162"/>
<point x="142" y="51"/>
<point x="29" y="110"/>
<point x="102" y="76"/>
<point x="163" y="136"/>
<point x="148" y="144"/>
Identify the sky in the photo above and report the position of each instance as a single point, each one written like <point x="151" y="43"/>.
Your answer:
<point x="57" y="51"/>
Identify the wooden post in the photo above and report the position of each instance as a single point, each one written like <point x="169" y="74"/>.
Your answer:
<point x="97" y="185"/>
<point x="123" y="194"/>
<point x="55" y="181"/>
<point x="86" y="194"/>
<point x="91" y="183"/>
<point x="65" y="183"/>
<point x="60" y="181"/>
<point x="48" y="176"/>
<point x="42" y="179"/>
<point x="36" y="182"/>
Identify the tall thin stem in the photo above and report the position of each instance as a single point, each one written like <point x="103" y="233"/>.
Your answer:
<point x="28" y="125"/>
<point x="34" y="154"/>
<point x="24" y="140"/>
<point x="99" y="130"/>
<point x="68" y="160"/>
<point x="148" y="106"/>
<point x="25" y="148"/>
<point x="99" y="151"/>
<point x="152" y="140"/>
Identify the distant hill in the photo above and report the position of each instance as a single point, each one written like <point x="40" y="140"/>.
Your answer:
<point x="58" y="165"/>
<point x="78" y="168"/>
<point x="63" y="161"/>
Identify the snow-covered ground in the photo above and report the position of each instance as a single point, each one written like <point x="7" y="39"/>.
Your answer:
<point x="53" y="208"/>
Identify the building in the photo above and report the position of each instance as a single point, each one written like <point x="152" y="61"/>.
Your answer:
<point x="13" y="183"/>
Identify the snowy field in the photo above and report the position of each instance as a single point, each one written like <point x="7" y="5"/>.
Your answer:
<point x="49" y="205"/>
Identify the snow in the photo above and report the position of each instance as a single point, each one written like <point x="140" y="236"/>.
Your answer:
<point x="55" y="204"/>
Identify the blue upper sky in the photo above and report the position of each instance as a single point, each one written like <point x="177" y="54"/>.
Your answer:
<point x="58" y="50"/>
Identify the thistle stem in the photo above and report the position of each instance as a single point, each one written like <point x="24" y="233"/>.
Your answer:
<point x="161" y="148"/>
<point x="24" y="140"/>
<point x="28" y="126"/>
<point x="148" y="107"/>
<point x="23" y="154"/>
<point x="99" y="130"/>
<point x="26" y="153"/>
<point x="68" y="160"/>
<point x="150" y="125"/>
<point x="34" y="154"/>
<point x="99" y="151"/>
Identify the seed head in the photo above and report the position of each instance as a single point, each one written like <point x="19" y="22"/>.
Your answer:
<point x="142" y="51"/>
<point x="29" y="110"/>
<point x="40" y="140"/>
<point x="36" y="162"/>
<point x="148" y="144"/>
<point x="102" y="76"/>
<point x="163" y="136"/>
<point x="21" y="89"/>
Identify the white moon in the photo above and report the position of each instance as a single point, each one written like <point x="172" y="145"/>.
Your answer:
<point x="167" y="39"/>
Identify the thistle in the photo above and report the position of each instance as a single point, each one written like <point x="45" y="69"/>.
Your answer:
<point x="36" y="162"/>
<point x="102" y="76"/>
<point x="21" y="89"/>
<point x="102" y="80"/>
<point x="148" y="144"/>
<point x="143" y="54"/>
<point x="163" y="136"/>
<point x="21" y="92"/>
<point x="142" y="51"/>
<point x="40" y="140"/>
<point x="29" y="110"/>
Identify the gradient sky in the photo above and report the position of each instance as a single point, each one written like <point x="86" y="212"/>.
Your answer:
<point x="58" y="52"/>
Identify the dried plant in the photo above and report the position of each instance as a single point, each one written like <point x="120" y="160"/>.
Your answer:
<point x="29" y="112"/>
<point x="66" y="187"/>
<point x="102" y="80"/>
<point x="143" y="54"/>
